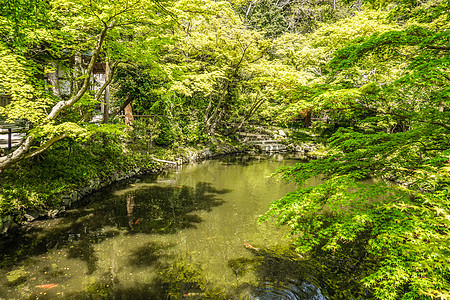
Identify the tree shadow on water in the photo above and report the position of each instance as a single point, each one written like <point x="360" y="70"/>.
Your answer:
<point x="154" y="209"/>
<point x="161" y="209"/>
<point x="151" y="255"/>
<point x="281" y="274"/>
<point x="42" y="236"/>
<point x="105" y="290"/>
<point x="176" y="279"/>
<point x="85" y="251"/>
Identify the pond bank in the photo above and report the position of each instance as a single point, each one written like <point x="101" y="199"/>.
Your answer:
<point x="69" y="198"/>
<point x="148" y="165"/>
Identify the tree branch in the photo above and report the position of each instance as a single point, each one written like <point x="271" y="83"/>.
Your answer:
<point x="443" y="48"/>
<point x="127" y="101"/>
<point x="222" y="97"/>
<point x="45" y="146"/>
<point x="16" y="155"/>
<point x="63" y="104"/>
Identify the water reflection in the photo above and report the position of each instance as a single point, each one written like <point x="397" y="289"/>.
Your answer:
<point x="130" y="208"/>
<point x="282" y="274"/>
<point x="289" y="290"/>
<point x="156" y="208"/>
<point x="179" y="235"/>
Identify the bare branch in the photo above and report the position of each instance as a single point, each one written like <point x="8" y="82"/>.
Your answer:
<point x="63" y="104"/>
<point x="45" y="146"/>
<point x="127" y="101"/>
<point x="443" y="48"/>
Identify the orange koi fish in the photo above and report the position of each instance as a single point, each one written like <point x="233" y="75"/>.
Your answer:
<point x="47" y="286"/>
<point x="248" y="246"/>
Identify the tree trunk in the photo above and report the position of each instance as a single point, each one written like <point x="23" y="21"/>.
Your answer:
<point x="87" y="78"/>
<point x="16" y="155"/>
<point x="307" y="120"/>
<point x="22" y="151"/>
<point x="129" y="115"/>
<point x="106" y="105"/>
<point x="53" y="79"/>
<point x="250" y="113"/>
<point x="212" y="121"/>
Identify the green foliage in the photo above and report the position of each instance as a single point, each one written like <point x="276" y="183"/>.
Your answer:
<point x="40" y="182"/>
<point x="388" y="43"/>
<point x="275" y="17"/>
<point x="384" y="182"/>
<point x="15" y="16"/>
<point x="268" y="17"/>
<point x="404" y="231"/>
<point x="73" y="31"/>
<point x="379" y="76"/>
<point x="144" y="85"/>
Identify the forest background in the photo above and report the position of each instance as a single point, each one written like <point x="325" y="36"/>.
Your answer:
<point x="376" y="73"/>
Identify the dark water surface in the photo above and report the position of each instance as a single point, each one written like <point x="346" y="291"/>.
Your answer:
<point x="188" y="233"/>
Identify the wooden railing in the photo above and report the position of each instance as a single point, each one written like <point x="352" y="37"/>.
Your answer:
<point x="10" y="130"/>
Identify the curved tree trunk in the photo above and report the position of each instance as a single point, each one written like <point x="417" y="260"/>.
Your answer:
<point x="22" y="151"/>
<point x="17" y="155"/>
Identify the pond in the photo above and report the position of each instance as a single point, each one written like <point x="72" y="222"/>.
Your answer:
<point x="190" y="232"/>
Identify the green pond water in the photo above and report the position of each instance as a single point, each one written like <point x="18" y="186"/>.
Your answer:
<point x="189" y="233"/>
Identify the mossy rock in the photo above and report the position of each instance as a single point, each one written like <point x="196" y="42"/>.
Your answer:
<point x="17" y="277"/>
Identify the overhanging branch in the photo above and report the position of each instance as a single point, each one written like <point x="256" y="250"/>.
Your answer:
<point x="63" y="104"/>
<point x="45" y="146"/>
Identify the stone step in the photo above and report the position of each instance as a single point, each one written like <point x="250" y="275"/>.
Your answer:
<point x="254" y="135"/>
<point x="266" y="142"/>
<point x="263" y="142"/>
<point x="278" y="147"/>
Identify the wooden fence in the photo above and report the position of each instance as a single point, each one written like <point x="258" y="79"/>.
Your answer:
<point x="12" y="134"/>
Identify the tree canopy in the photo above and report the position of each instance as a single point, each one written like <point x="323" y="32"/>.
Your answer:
<point x="376" y="74"/>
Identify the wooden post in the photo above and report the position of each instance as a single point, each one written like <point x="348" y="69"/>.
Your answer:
<point x="9" y="139"/>
<point x="128" y="115"/>
<point x="107" y="95"/>
<point x="78" y="72"/>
